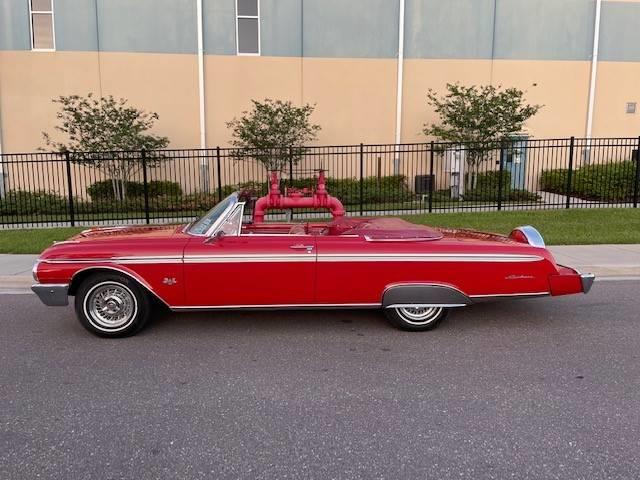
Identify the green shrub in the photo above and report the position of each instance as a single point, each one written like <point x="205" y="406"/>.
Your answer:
<point x="488" y="184"/>
<point x="611" y="182"/>
<point x="157" y="188"/>
<point x="103" y="190"/>
<point x="21" y="202"/>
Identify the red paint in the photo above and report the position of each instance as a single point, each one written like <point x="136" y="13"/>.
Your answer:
<point x="296" y="198"/>
<point x="345" y="261"/>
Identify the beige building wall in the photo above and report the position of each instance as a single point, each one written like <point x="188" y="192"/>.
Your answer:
<point x="618" y="83"/>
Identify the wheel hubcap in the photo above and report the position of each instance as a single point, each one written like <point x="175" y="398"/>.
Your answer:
<point x="110" y="305"/>
<point x="419" y="315"/>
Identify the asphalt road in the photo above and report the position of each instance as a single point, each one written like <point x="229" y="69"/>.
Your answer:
<point x="546" y="388"/>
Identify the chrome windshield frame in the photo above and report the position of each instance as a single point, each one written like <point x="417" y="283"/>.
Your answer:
<point x="221" y="218"/>
<point x="215" y="228"/>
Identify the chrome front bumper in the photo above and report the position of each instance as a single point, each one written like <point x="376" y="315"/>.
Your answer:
<point x="587" y="280"/>
<point x="53" y="295"/>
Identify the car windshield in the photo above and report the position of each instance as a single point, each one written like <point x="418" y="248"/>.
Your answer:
<point x="204" y="223"/>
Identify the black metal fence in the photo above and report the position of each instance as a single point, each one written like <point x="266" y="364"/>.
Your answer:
<point x="101" y="188"/>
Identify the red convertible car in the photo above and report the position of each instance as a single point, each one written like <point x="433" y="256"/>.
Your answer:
<point x="414" y="273"/>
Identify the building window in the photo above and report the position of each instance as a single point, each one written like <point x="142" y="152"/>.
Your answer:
<point x="248" y="27"/>
<point x="42" y="29"/>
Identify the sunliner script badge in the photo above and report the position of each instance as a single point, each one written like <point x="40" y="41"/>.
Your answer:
<point x="518" y="277"/>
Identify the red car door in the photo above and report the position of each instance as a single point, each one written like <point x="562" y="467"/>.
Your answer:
<point x="250" y="270"/>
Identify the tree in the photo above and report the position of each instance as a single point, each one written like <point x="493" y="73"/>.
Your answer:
<point x="106" y="134"/>
<point x="267" y="132"/>
<point x="481" y="117"/>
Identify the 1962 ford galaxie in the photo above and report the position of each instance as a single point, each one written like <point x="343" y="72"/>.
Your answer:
<point x="414" y="273"/>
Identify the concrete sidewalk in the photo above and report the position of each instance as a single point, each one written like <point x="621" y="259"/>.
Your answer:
<point x="605" y="261"/>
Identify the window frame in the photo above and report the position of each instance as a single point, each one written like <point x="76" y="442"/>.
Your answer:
<point x="53" y="27"/>
<point x="256" y="17"/>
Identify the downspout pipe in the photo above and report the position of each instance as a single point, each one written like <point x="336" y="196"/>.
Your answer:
<point x="204" y="165"/>
<point x="593" y="80"/>
<point x="399" y="92"/>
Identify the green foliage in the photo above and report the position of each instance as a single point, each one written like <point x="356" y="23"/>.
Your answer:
<point x="479" y="114"/>
<point x="103" y="190"/>
<point x="267" y="131"/>
<point x="488" y="185"/>
<point x="610" y="182"/>
<point x="104" y="133"/>
<point x="21" y="202"/>
<point x="102" y="125"/>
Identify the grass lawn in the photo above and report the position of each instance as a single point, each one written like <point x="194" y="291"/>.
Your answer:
<point x="32" y="240"/>
<point x="558" y="227"/>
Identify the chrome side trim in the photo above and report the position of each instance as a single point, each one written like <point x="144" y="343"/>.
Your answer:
<point x="337" y="257"/>
<point x="52" y="294"/>
<point x="428" y="305"/>
<point x="428" y="257"/>
<point x="510" y="295"/>
<point x="587" y="280"/>
<point x="533" y="236"/>
<point x="278" y="306"/>
<point x="276" y="258"/>
<point x="119" y="260"/>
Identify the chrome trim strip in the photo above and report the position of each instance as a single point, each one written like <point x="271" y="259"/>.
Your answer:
<point x="413" y="305"/>
<point x="533" y="236"/>
<point x="279" y="305"/>
<point x="507" y="295"/>
<point x="428" y="257"/>
<point x="369" y="238"/>
<point x="303" y="256"/>
<point x="296" y="257"/>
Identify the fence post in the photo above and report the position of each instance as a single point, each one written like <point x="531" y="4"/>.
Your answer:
<point x="72" y="213"/>
<point x="431" y="177"/>
<point x="636" y="184"/>
<point x="290" y="154"/>
<point x="361" y="178"/>
<point x="500" y="176"/>
<point x="570" y="172"/>
<point x="145" y="185"/>
<point x="218" y="170"/>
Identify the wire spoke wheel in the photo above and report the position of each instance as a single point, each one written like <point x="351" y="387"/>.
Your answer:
<point x="420" y="315"/>
<point x="110" y="305"/>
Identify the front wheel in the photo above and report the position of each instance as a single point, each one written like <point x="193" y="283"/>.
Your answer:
<point x="416" y="319"/>
<point x="112" y="305"/>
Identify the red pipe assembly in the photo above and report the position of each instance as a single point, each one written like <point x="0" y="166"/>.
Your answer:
<point x="297" y="198"/>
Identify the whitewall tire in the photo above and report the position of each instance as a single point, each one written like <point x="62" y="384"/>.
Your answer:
<point x="416" y="319"/>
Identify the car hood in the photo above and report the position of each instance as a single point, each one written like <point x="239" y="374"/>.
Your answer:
<point x="128" y="233"/>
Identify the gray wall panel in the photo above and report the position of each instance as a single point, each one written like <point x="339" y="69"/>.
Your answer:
<point x="14" y="25"/>
<point x="620" y="32"/>
<point x="354" y="28"/>
<point x="157" y="26"/>
<point x="448" y="29"/>
<point x="219" y="18"/>
<point x="280" y="25"/>
<point x="544" y="29"/>
<point x="76" y="25"/>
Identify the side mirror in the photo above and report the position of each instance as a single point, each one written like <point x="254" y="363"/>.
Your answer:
<point x="219" y="235"/>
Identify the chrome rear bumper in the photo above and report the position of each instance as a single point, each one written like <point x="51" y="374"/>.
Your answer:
<point x="587" y="280"/>
<point x="53" y="295"/>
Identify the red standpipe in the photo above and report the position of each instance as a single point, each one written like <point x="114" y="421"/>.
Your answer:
<point x="296" y="198"/>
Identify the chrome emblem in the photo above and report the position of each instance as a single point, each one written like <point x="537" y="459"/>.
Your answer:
<point x="169" y="281"/>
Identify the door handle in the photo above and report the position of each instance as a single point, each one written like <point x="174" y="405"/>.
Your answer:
<point x="300" y="246"/>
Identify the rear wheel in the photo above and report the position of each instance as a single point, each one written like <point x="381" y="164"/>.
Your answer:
<point x="416" y="319"/>
<point x="112" y="305"/>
